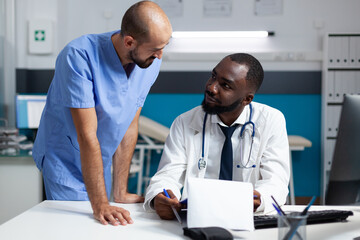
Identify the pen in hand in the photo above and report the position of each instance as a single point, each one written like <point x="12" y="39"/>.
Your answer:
<point x="172" y="207"/>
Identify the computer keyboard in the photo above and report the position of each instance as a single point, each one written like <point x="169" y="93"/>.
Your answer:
<point x="323" y="216"/>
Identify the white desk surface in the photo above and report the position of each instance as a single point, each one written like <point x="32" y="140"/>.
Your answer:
<point x="74" y="220"/>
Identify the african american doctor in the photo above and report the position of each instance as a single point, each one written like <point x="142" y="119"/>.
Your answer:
<point x="256" y="151"/>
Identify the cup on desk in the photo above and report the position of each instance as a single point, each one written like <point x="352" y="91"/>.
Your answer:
<point x="292" y="226"/>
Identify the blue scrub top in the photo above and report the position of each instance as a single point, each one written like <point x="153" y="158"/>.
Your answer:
<point x="88" y="73"/>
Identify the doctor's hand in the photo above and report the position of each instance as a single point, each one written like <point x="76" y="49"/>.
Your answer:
<point x="129" y="198"/>
<point x="257" y="200"/>
<point x="162" y="205"/>
<point x="106" y="213"/>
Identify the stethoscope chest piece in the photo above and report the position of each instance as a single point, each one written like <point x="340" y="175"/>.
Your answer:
<point x="201" y="163"/>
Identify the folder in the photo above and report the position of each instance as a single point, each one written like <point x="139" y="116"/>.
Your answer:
<point x="330" y="86"/>
<point x="329" y="153"/>
<point x="333" y="118"/>
<point x="331" y="52"/>
<point x="354" y="57"/>
<point x="342" y="51"/>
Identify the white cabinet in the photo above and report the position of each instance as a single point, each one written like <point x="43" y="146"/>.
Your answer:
<point x="340" y="76"/>
<point x="20" y="186"/>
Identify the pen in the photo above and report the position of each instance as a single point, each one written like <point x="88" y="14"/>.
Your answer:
<point x="283" y="213"/>
<point x="308" y="206"/>
<point x="278" y="211"/>
<point x="172" y="207"/>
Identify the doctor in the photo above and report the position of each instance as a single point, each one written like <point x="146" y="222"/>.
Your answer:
<point x="257" y="152"/>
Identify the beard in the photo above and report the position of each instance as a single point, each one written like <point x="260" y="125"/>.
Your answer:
<point x="141" y="63"/>
<point x="220" y="109"/>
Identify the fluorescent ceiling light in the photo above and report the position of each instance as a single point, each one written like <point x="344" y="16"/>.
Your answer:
<point x="221" y="34"/>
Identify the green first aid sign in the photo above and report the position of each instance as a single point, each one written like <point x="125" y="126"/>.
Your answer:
<point x="39" y="35"/>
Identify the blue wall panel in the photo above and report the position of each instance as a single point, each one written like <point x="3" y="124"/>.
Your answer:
<point x="303" y="117"/>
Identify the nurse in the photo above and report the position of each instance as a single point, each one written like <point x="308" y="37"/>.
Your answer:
<point x="90" y="121"/>
<point x="229" y="137"/>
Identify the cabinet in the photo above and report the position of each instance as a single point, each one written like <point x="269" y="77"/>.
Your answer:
<point x="340" y="76"/>
<point x="21" y="185"/>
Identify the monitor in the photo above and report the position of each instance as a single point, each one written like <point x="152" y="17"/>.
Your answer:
<point x="28" y="110"/>
<point x="344" y="181"/>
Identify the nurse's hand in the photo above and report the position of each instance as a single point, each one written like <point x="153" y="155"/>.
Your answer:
<point x="162" y="205"/>
<point x="111" y="214"/>
<point x="257" y="200"/>
<point x="129" y="198"/>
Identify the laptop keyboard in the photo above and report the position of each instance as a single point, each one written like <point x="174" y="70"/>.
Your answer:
<point x="323" y="216"/>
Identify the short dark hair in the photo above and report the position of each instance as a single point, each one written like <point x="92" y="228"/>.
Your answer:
<point x="255" y="74"/>
<point x="133" y="24"/>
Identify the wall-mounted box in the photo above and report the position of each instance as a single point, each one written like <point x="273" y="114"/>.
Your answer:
<point x="40" y="36"/>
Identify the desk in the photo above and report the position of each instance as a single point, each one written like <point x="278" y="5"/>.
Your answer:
<point x="296" y="143"/>
<point x="73" y="220"/>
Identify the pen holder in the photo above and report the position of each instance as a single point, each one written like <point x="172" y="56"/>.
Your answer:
<point x="292" y="226"/>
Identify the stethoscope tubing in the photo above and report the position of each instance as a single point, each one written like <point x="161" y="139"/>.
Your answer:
<point x="202" y="162"/>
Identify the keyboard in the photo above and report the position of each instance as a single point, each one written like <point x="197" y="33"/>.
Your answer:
<point x="323" y="216"/>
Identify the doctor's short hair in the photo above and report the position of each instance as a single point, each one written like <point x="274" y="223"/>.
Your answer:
<point x="255" y="74"/>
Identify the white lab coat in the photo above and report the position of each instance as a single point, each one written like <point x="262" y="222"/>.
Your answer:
<point x="182" y="151"/>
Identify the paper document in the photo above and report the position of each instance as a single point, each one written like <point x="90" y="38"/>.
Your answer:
<point x="226" y="204"/>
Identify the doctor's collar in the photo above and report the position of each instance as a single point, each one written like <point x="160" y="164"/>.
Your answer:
<point x="215" y="119"/>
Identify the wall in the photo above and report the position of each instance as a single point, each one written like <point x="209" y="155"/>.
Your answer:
<point x="8" y="54"/>
<point x="297" y="42"/>
<point x="296" y="46"/>
<point x="2" y="33"/>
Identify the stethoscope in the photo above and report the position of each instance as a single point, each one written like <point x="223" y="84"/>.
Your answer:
<point x="202" y="162"/>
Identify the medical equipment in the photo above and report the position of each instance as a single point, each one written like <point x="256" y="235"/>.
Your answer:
<point x="202" y="162"/>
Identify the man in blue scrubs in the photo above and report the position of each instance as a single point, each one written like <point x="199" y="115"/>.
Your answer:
<point x="90" y="121"/>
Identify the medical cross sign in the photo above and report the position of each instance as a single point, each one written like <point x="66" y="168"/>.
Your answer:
<point x="39" y="35"/>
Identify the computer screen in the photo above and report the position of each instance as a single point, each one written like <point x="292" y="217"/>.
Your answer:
<point x="344" y="184"/>
<point x="28" y="110"/>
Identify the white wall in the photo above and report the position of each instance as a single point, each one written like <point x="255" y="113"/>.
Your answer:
<point x="8" y="53"/>
<point x="2" y="36"/>
<point x="297" y="44"/>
